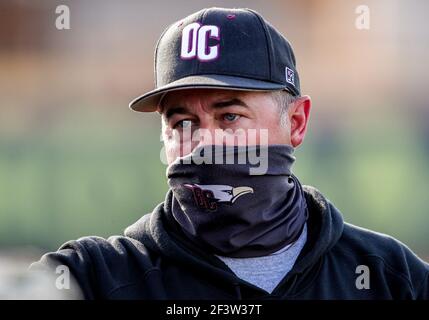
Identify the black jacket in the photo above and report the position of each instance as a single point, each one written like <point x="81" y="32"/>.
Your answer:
<point x="154" y="261"/>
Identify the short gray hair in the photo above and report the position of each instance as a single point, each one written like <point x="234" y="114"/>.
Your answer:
<point x="283" y="99"/>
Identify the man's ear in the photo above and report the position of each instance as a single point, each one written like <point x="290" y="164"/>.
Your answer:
<point x="299" y="114"/>
<point x="159" y="106"/>
<point x="159" y="109"/>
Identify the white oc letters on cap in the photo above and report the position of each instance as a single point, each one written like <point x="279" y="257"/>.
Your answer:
<point x="195" y="42"/>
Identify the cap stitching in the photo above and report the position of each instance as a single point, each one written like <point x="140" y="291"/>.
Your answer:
<point x="156" y="51"/>
<point x="266" y="40"/>
<point x="197" y="63"/>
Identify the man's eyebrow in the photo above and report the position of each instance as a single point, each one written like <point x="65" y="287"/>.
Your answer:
<point x="217" y="105"/>
<point x="173" y="110"/>
<point x="230" y="102"/>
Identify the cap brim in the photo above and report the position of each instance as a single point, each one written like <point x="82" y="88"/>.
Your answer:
<point x="149" y="101"/>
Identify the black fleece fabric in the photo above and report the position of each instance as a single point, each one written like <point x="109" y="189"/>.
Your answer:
<point x="153" y="260"/>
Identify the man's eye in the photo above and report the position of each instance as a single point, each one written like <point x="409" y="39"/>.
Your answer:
<point x="230" y="117"/>
<point x="183" y="124"/>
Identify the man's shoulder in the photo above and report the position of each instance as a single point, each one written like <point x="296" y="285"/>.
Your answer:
<point x="99" y="250"/>
<point x="357" y="243"/>
<point x="96" y="262"/>
<point x="114" y="243"/>
<point x="116" y="254"/>
<point x="372" y="242"/>
<point x="366" y="245"/>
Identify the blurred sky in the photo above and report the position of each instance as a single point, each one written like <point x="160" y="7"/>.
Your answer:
<point x="74" y="160"/>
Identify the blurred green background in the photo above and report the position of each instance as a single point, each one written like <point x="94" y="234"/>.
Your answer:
<point x="75" y="161"/>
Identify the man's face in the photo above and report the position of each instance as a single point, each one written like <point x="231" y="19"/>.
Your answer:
<point x="196" y="117"/>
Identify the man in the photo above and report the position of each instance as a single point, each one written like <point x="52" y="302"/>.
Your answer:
<point x="227" y="84"/>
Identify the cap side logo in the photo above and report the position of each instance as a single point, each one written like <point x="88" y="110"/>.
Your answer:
<point x="195" y="42"/>
<point x="290" y="76"/>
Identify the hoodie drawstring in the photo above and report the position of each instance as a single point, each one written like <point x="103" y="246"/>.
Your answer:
<point x="158" y="262"/>
<point x="238" y="290"/>
<point x="161" y="293"/>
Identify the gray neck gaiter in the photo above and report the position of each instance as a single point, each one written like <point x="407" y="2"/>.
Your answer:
<point x="228" y="208"/>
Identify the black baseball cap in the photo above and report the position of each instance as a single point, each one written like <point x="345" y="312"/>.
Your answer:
<point x="223" y="49"/>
